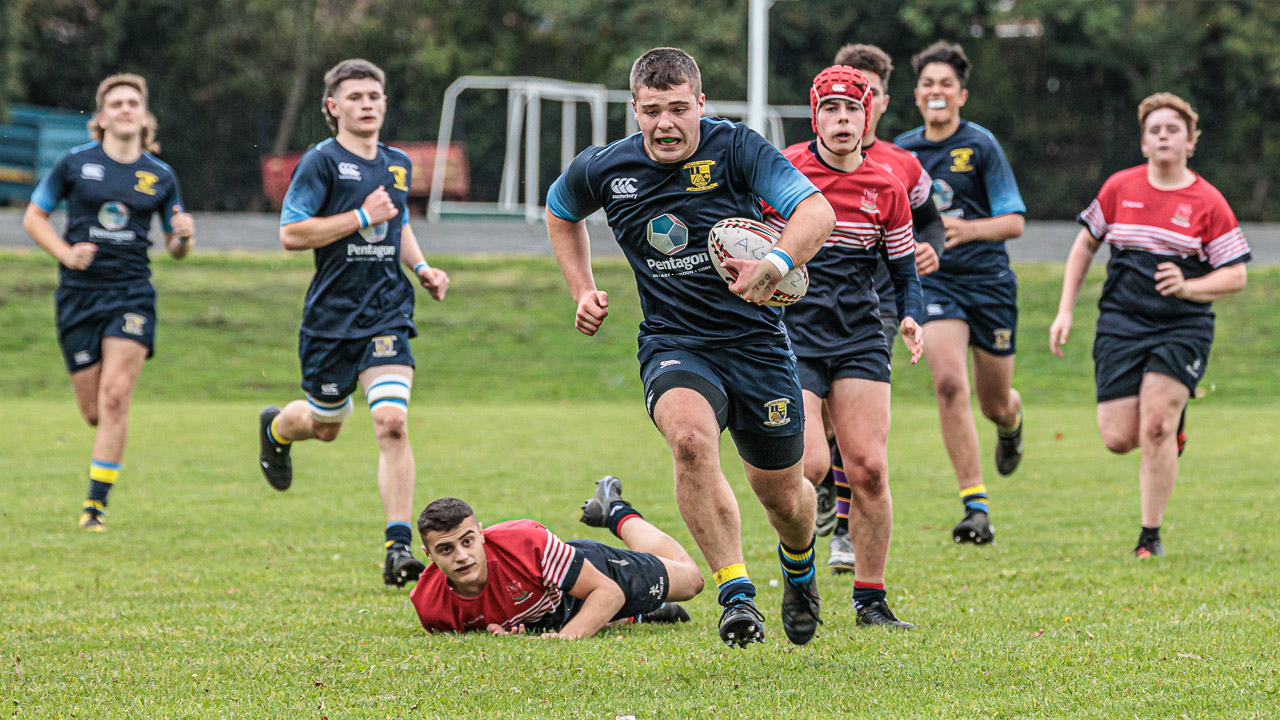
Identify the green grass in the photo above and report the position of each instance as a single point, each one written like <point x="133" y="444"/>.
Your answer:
<point x="212" y="595"/>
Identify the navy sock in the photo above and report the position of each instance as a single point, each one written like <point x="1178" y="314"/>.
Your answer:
<point x="398" y="533"/>
<point x="620" y="512"/>
<point x="867" y="593"/>
<point x="1148" y="534"/>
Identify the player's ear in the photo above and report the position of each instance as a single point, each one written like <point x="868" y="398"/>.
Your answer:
<point x="702" y="102"/>
<point x="964" y="97"/>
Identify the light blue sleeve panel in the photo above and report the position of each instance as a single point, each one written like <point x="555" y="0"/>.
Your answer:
<point x="769" y="173"/>
<point x="1002" y="188"/>
<point x="570" y="197"/>
<point x="307" y="189"/>
<point x="53" y="186"/>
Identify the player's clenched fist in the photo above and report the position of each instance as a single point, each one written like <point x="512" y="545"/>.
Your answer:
<point x="80" y="256"/>
<point x="378" y="206"/>
<point x="926" y="259"/>
<point x="756" y="279"/>
<point x="435" y="281"/>
<point x="593" y="308"/>
<point x="183" y="224"/>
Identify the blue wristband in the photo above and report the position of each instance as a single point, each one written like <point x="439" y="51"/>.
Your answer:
<point x="363" y="217"/>
<point x="420" y="267"/>
<point x="785" y="257"/>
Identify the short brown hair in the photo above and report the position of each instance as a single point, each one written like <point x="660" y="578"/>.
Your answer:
<point x="353" y="69"/>
<point x="867" y="58"/>
<point x="149" y="123"/>
<point x="1162" y="100"/>
<point x="663" y="68"/>
<point x="944" y="52"/>
<point x="443" y="514"/>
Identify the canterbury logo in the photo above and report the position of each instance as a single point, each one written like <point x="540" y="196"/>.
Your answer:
<point x="623" y="186"/>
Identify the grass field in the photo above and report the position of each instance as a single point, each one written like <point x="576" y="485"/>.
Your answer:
<point x="214" y="596"/>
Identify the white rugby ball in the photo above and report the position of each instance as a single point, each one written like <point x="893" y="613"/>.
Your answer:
<point x="747" y="239"/>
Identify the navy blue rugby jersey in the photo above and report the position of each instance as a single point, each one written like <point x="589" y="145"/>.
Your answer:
<point x="661" y="215"/>
<point x="359" y="289"/>
<point x="109" y="204"/>
<point x="971" y="179"/>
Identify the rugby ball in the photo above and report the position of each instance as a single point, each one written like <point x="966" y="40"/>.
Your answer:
<point x="747" y="239"/>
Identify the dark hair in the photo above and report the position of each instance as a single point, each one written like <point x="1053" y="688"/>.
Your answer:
<point x="867" y="58"/>
<point x="443" y="514"/>
<point x="944" y="52"/>
<point x="663" y="68"/>
<point x="354" y="69"/>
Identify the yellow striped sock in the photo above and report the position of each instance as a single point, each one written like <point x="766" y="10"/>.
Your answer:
<point x="803" y="556"/>
<point x="103" y="474"/>
<point x="730" y="572"/>
<point x="275" y="434"/>
<point x="968" y="492"/>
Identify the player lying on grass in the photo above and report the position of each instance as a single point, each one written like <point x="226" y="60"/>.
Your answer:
<point x="518" y="577"/>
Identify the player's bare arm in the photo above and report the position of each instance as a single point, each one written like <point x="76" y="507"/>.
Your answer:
<point x="601" y="600"/>
<point x="434" y="280"/>
<point x="76" y="257"/>
<point x="1078" y="261"/>
<point x="806" y="230"/>
<point x="1216" y="285"/>
<point x="318" y="232"/>
<point x="179" y="241"/>
<point x="992" y="229"/>
<point x="572" y="248"/>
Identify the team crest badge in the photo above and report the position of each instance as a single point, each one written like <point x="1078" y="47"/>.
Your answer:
<point x="1002" y="338"/>
<point x="962" y="160"/>
<point x="777" y="412"/>
<point x="1182" y="218"/>
<point x="869" y="200"/>
<point x="384" y="346"/>
<point x="700" y="175"/>
<point x="133" y="323"/>
<point x="400" y="174"/>
<point x="146" y="182"/>
<point x="517" y="592"/>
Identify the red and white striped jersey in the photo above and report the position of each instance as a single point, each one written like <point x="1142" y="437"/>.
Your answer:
<point x="1192" y="227"/>
<point x="840" y="313"/>
<point x="906" y="168"/>
<point x="529" y="571"/>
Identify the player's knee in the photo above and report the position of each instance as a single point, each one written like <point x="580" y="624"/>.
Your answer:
<point x="326" y="431"/>
<point x="327" y="417"/>
<point x="995" y="410"/>
<point x="391" y="426"/>
<point x="1156" y="428"/>
<point x="113" y="399"/>
<point x="90" y="415"/>
<point x="691" y="447"/>
<point x="951" y="388"/>
<point x="815" y="470"/>
<point x="867" y="474"/>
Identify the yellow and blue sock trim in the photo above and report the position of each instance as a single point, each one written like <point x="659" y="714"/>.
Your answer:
<point x="734" y="583"/>
<point x="398" y="533"/>
<point x="798" y="565"/>
<point x="975" y="498"/>
<point x="102" y="476"/>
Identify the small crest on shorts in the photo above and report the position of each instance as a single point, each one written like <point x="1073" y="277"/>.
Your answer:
<point x="133" y="323"/>
<point x="1002" y="338"/>
<point x="777" y="412"/>
<point x="82" y="358"/>
<point x="384" y="346"/>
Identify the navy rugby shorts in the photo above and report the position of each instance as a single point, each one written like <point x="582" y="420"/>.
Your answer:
<point x="817" y="373"/>
<point x="331" y="367"/>
<point x="87" y="315"/>
<point x="989" y="304"/>
<point x="1120" y="362"/>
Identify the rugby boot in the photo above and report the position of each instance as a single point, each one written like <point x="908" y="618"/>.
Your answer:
<point x="670" y="613"/>
<point x="1009" y="449"/>
<point x="595" y="512"/>
<point x="878" y="613"/>
<point x="741" y="623"/>
<point x="974" y="528"/>
<point x="800" y="605"/>
<point x="273" y="458"/>
<point x="401" y="566"/>
<point x="1148" y="549"/>
<point x="842" y="558"/>
<point x="825" y="520"/>
<point x="91" y="520"/>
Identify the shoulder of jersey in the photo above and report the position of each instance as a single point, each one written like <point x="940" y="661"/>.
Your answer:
<point x="891" y="150"/>
<point x="909" y="136"/>
<point x="159" y="163"/>
<point x="514" y="526"/>
<point x="82" y="148"/>
<point x="882" y="172"/>
<point x="977" y="131"/>
<point x="395" y="151"/>
<point x="1134" y="175"/>
<point x="798" y="151"/>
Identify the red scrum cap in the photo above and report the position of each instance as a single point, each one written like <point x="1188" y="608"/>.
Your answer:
<point x="843" y="82"/>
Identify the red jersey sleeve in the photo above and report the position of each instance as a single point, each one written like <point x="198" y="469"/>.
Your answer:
<point x="899" y="236"/>
<point x="1098" y="216"/>
<point x="921" y="191"/>
<point x="1225" y="244"/>
<point x="558" y="563"/>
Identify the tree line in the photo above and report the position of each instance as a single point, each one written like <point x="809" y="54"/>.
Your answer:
<point x="1057" y="81"/>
